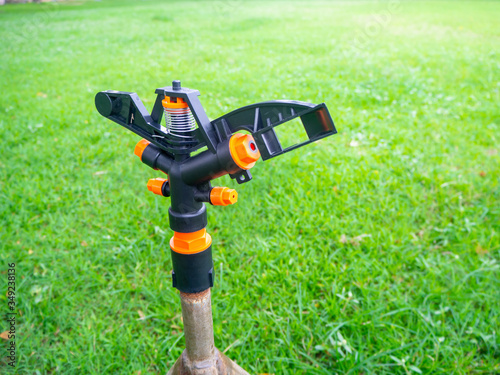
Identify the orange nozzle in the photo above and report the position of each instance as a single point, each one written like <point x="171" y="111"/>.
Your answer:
<point x="155" y="185"/>
<point x="243" y="150"/>
<point x="223" y="196"/>
<point x="190" y="243"/>
<point x="140" y="147"/>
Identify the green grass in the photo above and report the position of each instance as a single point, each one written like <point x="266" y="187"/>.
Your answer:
<point x="375" y="251"/>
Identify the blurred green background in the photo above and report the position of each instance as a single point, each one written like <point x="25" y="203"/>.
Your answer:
<point x="375" y="251"/>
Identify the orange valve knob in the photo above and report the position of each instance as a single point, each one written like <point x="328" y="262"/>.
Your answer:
<point x="243" y="150"/>
<point x="223" y="196"/>
<point x="155" y="185"/>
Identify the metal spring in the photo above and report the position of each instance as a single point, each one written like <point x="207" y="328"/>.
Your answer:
<point x="179" y="121"/>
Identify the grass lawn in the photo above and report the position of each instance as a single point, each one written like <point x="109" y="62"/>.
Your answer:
<point x="375" y="251"/>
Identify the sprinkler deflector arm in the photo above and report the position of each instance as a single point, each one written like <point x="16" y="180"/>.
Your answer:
<point x="189" y="177"/>
<point x="259" y="119"/>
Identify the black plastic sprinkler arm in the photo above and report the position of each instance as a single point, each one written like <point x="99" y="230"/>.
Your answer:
<point x="169" y="147"/>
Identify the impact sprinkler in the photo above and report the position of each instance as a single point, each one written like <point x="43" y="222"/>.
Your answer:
<point x="174" y="149"/>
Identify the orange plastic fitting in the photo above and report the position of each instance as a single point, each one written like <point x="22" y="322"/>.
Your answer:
<point x="190" y="243"/>
<point x="174" y="103"/>
<point x="155" y="185"/>
<point x="140" y="147"/>
<point x="223" y="196"/>
<point x="243" y="150"/>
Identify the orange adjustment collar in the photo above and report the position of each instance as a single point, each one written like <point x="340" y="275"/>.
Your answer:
<point x="190" y="243"/>
<point x="243" y="150"/>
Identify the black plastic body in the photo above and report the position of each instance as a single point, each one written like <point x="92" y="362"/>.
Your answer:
<point x="189" y="176"/>
<point x="207" y="166"/>
<point x="189" y="182"/>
